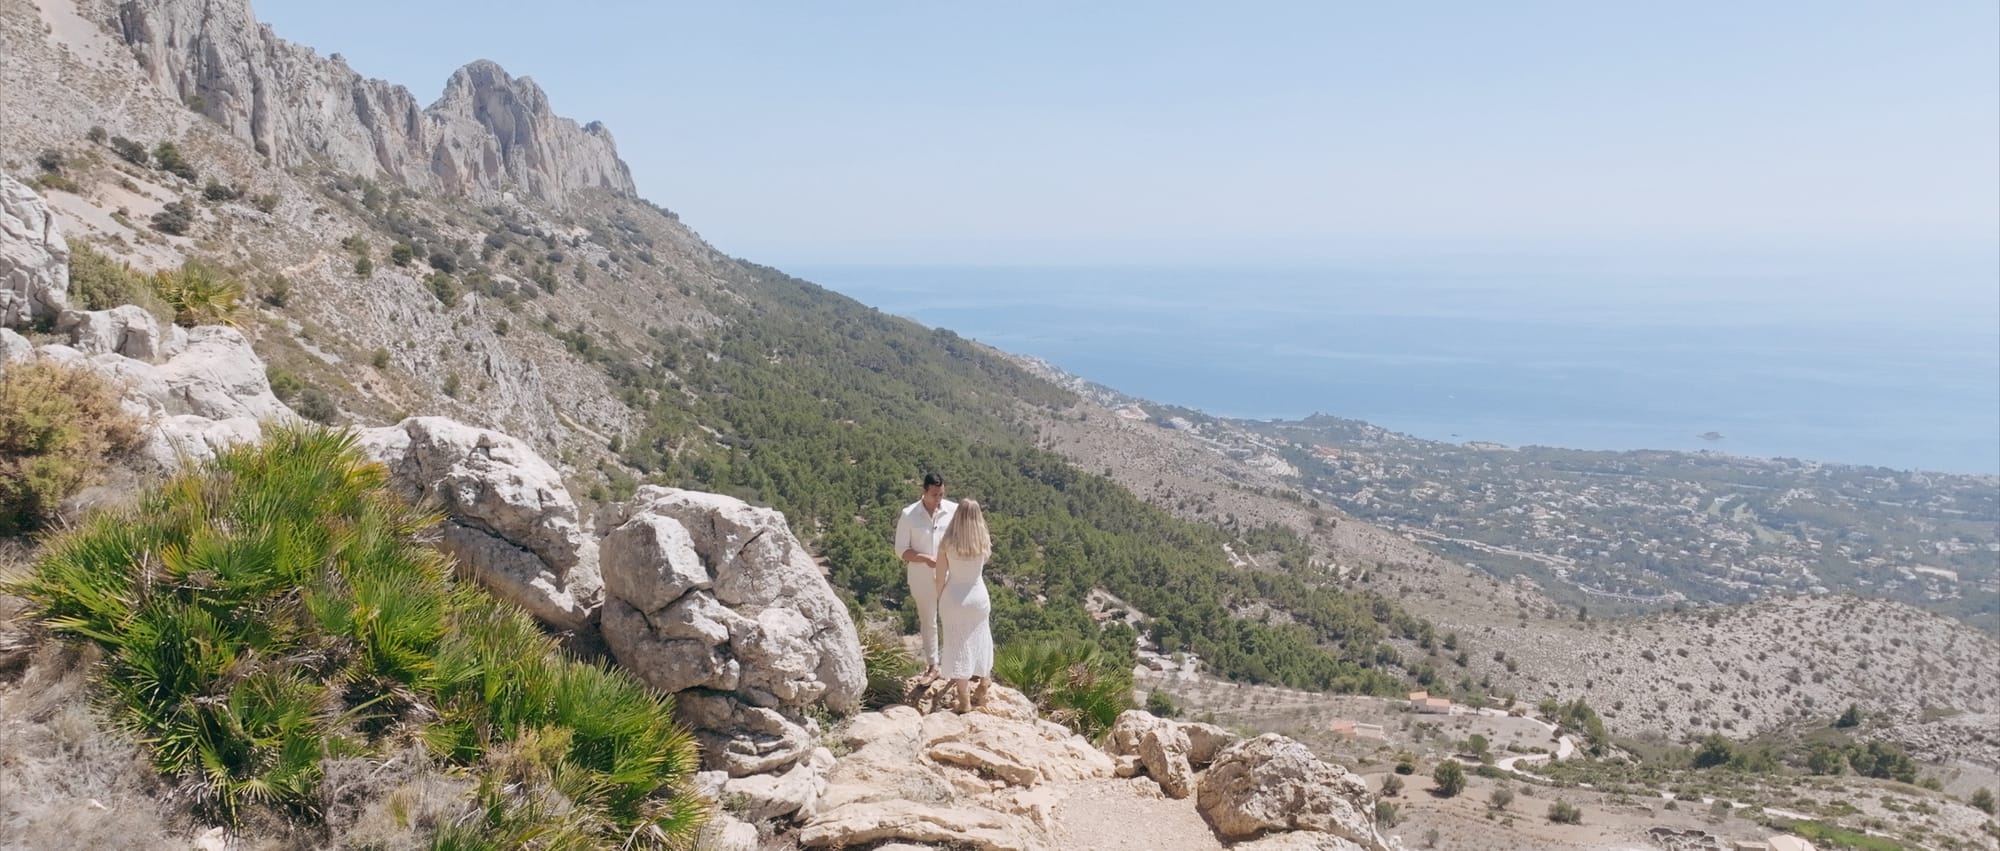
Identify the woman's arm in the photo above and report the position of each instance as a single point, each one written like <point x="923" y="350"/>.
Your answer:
<point x="942" y="570"/>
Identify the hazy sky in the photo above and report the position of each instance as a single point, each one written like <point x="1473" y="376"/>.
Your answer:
<point x="807" y="133"/>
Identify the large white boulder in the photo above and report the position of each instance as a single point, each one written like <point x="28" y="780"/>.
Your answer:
<point x="1272" y="783"/>
<point x="510" y="521"/>
<point x="715" y="599"/>
<point x="34" y="258"/>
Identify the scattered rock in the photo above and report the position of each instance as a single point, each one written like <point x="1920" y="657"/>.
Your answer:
<point x="1164" y="751"/>
<point x="1298" y="840"/>
<point x="743" y="739"/>
<point x="766" y="797"/>
<point x="726" y="832"/>
<point x="127" y="330"/>
<point x="34" y="258"/>
<point x="1272" y="783"/>
<point x="912" y="821"/>
<point x="1168" y="751"/>
<point x="14" y="347"/>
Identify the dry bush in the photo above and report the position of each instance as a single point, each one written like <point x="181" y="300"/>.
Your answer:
<point x="58" y="426"/>
<point x="67" y="779"/>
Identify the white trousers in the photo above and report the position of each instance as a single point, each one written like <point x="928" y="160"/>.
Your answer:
<point x="923" y="589"/>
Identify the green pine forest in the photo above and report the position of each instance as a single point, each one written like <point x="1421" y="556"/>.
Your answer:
<point x="830" y="411"/>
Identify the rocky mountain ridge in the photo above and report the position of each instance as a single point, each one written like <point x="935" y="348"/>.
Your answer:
<point x="490" y="133"/>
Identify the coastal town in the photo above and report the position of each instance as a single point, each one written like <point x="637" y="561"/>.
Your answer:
<point x="1636" y="531"/>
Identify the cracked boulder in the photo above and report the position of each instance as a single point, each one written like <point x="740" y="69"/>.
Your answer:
<point x="714" y="599"/>
<point x="509" y="520"/>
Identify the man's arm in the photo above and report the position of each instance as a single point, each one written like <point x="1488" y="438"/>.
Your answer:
<point x="906" y="541"/>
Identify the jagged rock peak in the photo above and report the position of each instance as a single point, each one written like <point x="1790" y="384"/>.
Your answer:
<point x="490" y="133"/>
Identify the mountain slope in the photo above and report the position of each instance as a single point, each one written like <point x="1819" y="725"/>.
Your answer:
<point x="544" y="300"/>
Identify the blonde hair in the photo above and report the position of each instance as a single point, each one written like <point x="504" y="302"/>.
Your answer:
<point x="966" y="537"/>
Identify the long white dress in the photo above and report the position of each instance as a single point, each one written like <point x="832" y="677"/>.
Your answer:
<point x="965" y="612"/>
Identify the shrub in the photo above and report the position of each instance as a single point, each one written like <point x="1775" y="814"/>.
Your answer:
<point x="198" y="294"/>
<point x="50" y="161"/>
<point x="1071" y="680"/>
<point x="1982" y="800"/>
<point x="275" y="608"/>
<point x="265" y="203"/>
<point x="1161" y="704"/>
<point x="452" y="384"/>
<point x="168" y="156"/>
<point x="1715" y="750"/>
<point x="217" y="191"/>
<point x="100" y="283"/>
<point x="443" y="262"/>
<point x="278" y="292"/>
<point x="1449" y="778"/>
<point x="131" y="151"/>
<point x="96" y="134"/>
<point x="58" y="424"/>
<point x="57" y="182"/>
<point x="1500" y="798"/>
<point x="1392" y="786"/>
<point x="363" y="267"/>
<point x="1385" y="815"/>
<point x="1884" y="761"/>
<point x="889" y="665"/>
<point x="1563" y="812"/>
<point x="1406" y="766"/>
<point x="174" y="219"/>
<point x="402" y="254"/>
<point x="317" y="405"/>
<point x="1850" y="718"/>
<point x="285" y="384"/>
<point x="444" y="287"/>
<point x="379" y="358"/>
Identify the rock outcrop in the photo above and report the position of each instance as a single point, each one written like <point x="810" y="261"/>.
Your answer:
<point x="1272" y="783"/>
<point x="127" y="330"/>
<point x="490" y="133"/>
<point x="976" y="780"/>
<point x="509" y="520"/>
<point x="715" y="599"/>
<point x="34" y="259"/>
<point x="210" y="395"/>
<point x="1168" y="751"/>
<point x="195" y="390"/>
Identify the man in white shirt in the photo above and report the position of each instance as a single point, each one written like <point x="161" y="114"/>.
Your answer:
<point x="917" y="534"/>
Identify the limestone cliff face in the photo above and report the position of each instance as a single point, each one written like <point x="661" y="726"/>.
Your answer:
<point x="490" y="133"/>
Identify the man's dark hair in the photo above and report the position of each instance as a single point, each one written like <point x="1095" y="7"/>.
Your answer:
<point x="933" y="480"/>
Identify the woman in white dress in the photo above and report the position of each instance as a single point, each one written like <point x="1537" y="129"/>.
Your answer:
<point x="965" y="642"/>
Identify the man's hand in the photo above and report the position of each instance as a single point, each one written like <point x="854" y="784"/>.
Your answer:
<point x="915" y="557"/>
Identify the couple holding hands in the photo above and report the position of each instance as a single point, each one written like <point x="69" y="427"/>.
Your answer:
<point x="945" y="545"/>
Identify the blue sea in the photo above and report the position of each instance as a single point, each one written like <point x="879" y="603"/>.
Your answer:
<point x="1868" y="362"/>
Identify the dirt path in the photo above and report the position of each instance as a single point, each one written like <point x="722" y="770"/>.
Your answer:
<point x="1130" y="815"/>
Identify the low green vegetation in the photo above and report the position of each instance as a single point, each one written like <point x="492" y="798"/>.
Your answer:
<point x="198" y="294"/>
<point x="1072" y="681"/>
<point x="99" y="282"/>
<point x="58" y="425"/>
<point x="1828" y="836"/>
<point x="889" y="665"/>
<point x="1564" y="812"/>
<point x="1448" y="779"/>
<point x="275" y="609"/>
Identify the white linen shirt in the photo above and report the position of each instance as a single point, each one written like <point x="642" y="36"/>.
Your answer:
<point x="920" y="530"/>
